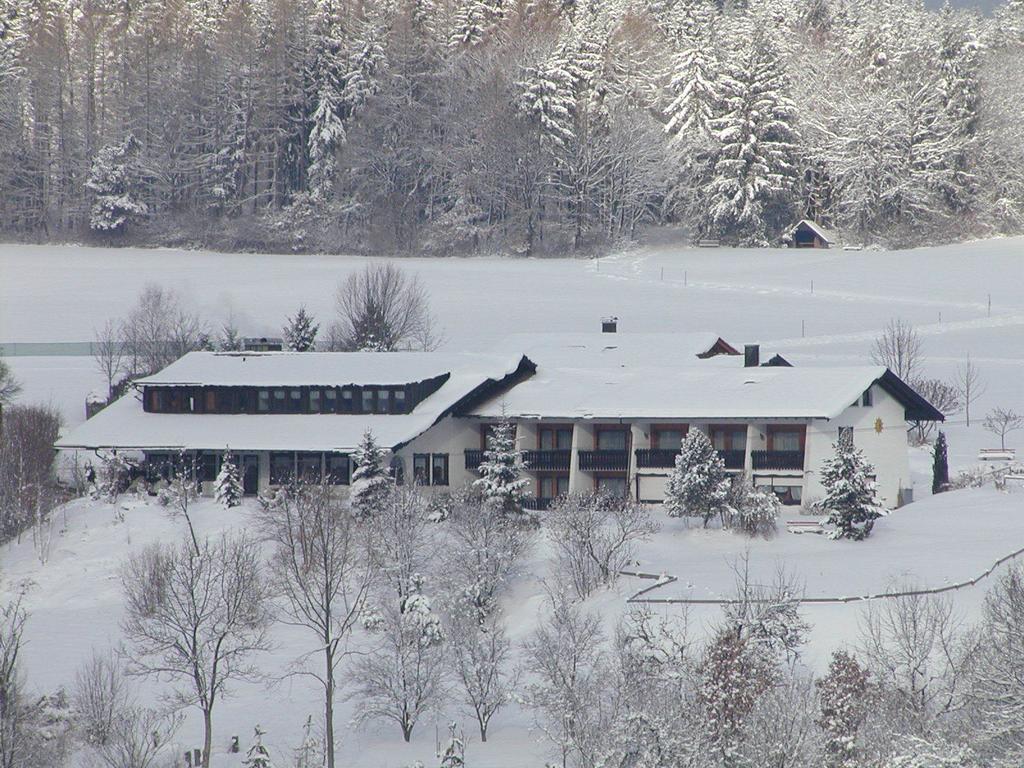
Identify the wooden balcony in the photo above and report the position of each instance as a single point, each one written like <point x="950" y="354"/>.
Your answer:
<point x="548" y="461"/>
<point x="537" y="504"/>
<point x="474" y="459"/>
<point x="735" y="459"/>
<point x="604" y="461"/>
<point x="656" y="458"/>
<point x="778" y="460"/>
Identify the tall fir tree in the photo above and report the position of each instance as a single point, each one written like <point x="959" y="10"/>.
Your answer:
<point x="371" y="481"/>
<point x="115" y="180"/>
<point x="844" y="694"/>
<point x="228" y="485"/>
<point x="940" y="464"/>
<point x="501" y="472"/>
<point x="300" y="332"/>
<point x="850" y="494"/>
<point x="698" y="485"/>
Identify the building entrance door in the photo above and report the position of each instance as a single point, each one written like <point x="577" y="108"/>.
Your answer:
<point x="250" y="466"/>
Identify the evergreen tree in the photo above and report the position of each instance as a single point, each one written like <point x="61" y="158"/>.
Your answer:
<point x="694" y="77"/>
<point x="548" y="97"/>
<point x="751" y="191"/>
<point x="371" y="482"/>
<point x="114" y="180"/>
<point x="228" y="486"/>
<point x="300" y="332"/>
<point x="327" y="132"/>
<point x="454" y="755"/>
<point x="843" y="694"/>
<point x="501" y="472"/>
<point x="940" y="464"/>
<point x="258" y="756"/>
<point x="850" y="495"/>
<point x="698" y="485"/>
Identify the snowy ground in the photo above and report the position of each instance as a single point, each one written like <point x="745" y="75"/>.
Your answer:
<point x="766" y="296"/>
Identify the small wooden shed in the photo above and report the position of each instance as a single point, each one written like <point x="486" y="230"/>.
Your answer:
<point x="810" y="234"/>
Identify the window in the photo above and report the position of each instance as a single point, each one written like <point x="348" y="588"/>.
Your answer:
<point x="282" y="468"/>
<point x="555" y="438"/>
<point x="439" y="468"/>
<point x="264" y="401"/>
<point x="729" y="438"/>
<point x="277" y="405"/>
<point x="339" y="469"/>
<point x="383" y="401"/>
<point x="667" y="438"/>
<point x="421" y="469"/>
<point x="612" y="439"/>
<point x="206" y="467"/>
<point x="367" y="401"/>
<point x="790" y="495"/>
<point x="400" y="401"/>
<point x="314" y="401"/>
<point x="346" y="401"/>
<point x="553" y="486"/>
<point x="846" y="433"/>
<point x="294" y="400"/>
<point x="785" y="438"/>
<point x="612" y="486"/>
<point x="330" y="404"/>
<point x="309" y="467"/>
<point x="866" y="399"/>
<point x="398" y="470"/>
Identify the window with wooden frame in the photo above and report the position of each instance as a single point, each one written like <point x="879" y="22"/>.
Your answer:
<point x="330" y="400"/>
<point x="421" y="468"/>
<point x="867" y="399"/>
<point x="611" y="438"/>
<point x="282" y="468"/>
<point x="554" y="437"/>
<point x="668" y="437"/>
<point x="366" y="400"/>
<point x="309" y="467"/>
<point x="383" y="401"/>
<point x="552" y="486"/>
<point x="786" y="437"/>
<point x="439" y="469"/>
<point x="612" y="486"/>
<point x="210" y="398"/>
<point x="728" y="437"/>
<point x="339" y="469"/>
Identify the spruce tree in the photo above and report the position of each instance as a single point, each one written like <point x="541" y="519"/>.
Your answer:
<point x="501" y="472"/>
<point x="850" y="494"/>
<point x="228" y="486"/>
<point x="258" y="756"/>
<point x="844" y="700"/>
<point x="698" y="485"/>
<point x="940" y="464"/>
<point x="114" y="180"/>
<point x="300" y="332"/>
<point x="371" y="481"/>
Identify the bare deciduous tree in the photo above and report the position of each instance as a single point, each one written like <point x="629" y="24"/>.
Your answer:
<point x="28" y="490"/>
<point x="593" y="536"/>
<point x="899" y="349"/>
<point x="10" y="387"/>
<point x="1003" y="421"/>
<point x="158" y="331"/>
<point x="945" y="397"/>
<point x="969" y="385"/>
<point x="482" y="662"/>
<point x="382" y="309"/>
<point x="196" y="618"/>
<point x="108" y="350"/>
<point x="118" y="730"/>
<point x="322" y="566"/>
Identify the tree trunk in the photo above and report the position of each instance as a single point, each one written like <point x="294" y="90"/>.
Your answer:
<point x="329" y="709"/>
<point x="207" y="736"/>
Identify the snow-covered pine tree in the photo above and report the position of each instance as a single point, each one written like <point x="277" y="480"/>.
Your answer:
<point x="307" y="754"/>
<point x="258" y="756"/>
<point x="940" y="464"/>
<point x="850" y="495"/>
<point x="752" y="188"/>
<point x="842" y="694"/>
<point x="501" y="472"/>
<point x="473" y="20"/>
<point x="698" y="485"/>
<point x="300" y="332"/>
<point x="548" y="96"/>
<point x="694" y="75"/>
<point x="371" y="481"/>
<point x="228" y="486"/>
<point x="114" y="180"/>
<point x="327" y="132"/>
<point x="454" y="754"/>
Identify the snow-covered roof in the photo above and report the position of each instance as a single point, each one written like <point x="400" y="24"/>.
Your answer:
<point x="825" y="234"/>
<point x="332" y="369"/>
<point x="696" y="392"/>
<point x="124" y="423"/>
<point x="612" y="349"/>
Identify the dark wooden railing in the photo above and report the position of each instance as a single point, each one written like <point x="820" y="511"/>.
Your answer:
<point x="656" y="458"/>
<point x="474" y="459"/>
<point x="532" y="502"/>
<point x="735" y="459"/>
<point x="604" y="461"/>
<point x="778" y="459"/>
<point x="547" y="461"/>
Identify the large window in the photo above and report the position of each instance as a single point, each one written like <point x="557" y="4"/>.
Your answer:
<point x="668" y="438"/>
<point x="294" y="400"/>
<point x="553" y="486"/>
<point x="339" y="469"/>
<point x="330" y="400"/>
<point x="785" y="438"/>
<point x="439" y="469"/>
<point x="282" y="467"/>
<point x="555" y="438"/>
<point x="278" y="401"/>
<point x="346" y="401"/>
<point x="383" y="401"/>
<point x="206" y="467"/>
<point x="729" y="438"/>
<point x="367" y="399"/>
<point x="421" y="469"/>
<point x="612" y="486"/>
<point x="314" y="401"/>
<point x="309" y="467"/>
<point x="612" y="439"/>
<point x="400" y="401"/>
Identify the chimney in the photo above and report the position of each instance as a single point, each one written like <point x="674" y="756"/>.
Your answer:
<point x="751" y="355"/>
<point x="609" y="325"/>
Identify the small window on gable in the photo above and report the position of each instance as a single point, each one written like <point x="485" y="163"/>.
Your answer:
<point x="866" y="399"/>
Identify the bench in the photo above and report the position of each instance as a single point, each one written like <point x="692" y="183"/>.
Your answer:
<point x="1016" y="479"/>
<point x="997" y="454"/>
<point x="804" y="526"/>
<point x="707" y="244"/>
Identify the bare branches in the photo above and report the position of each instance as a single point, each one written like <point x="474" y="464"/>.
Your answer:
<point x="1003" y="421"/>
<point x="10" y="387"/>
<point x="969" y="385"/>
<point x="899" y="349"/>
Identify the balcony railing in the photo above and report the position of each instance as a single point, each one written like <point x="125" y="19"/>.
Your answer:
<point x="474" y="459"/>
<point x="547" y="461"/>
<point x="656" y="458"/>
<point x="778" y="459"/>
<point x="534" y="503"/>
<point x="604" y="461"/>
<point x="735" y="459"/>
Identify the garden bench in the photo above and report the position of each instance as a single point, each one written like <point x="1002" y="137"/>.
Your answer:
<point x="997" y="454"/>
<point x="804" y="526"/>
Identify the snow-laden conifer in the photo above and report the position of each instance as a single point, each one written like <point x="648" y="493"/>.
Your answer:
<point x="698" y="485"/>
<point x="850" y="494"/>
<point x="371" y="480"/>
<point x="501" y="472"/>
<point x="228" y="486"/>
<point x="300" y="332"/>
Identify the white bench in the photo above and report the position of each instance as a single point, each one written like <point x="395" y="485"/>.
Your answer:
<point x="997" y="454"/>
<point x="804" y="526"/>
<point x="707" y="244"/>
<point x="1015" y="479"/>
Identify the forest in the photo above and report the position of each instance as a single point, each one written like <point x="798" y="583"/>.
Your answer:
<point x="506" y="126"/>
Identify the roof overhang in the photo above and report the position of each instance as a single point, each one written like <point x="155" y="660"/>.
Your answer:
<point x="915" y="407"/>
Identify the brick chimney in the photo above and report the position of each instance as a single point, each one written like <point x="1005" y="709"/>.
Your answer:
<point x="751" y="355"/>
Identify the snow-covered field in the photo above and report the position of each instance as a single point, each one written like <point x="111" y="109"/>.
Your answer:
<point x="766" y="296"/>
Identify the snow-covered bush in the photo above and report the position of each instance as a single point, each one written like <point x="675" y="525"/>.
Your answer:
<point x="752" y="510"/>
<point x="843" y="699"/>
<point x="698" y="485"/>
<point x="112" y="478"/>
<point x="850" y="494"/>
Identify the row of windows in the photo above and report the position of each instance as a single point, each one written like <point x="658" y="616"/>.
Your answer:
<point x="382" y="400"/>
<point x="430" y="468"/>
<point x="331" y="468"/>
